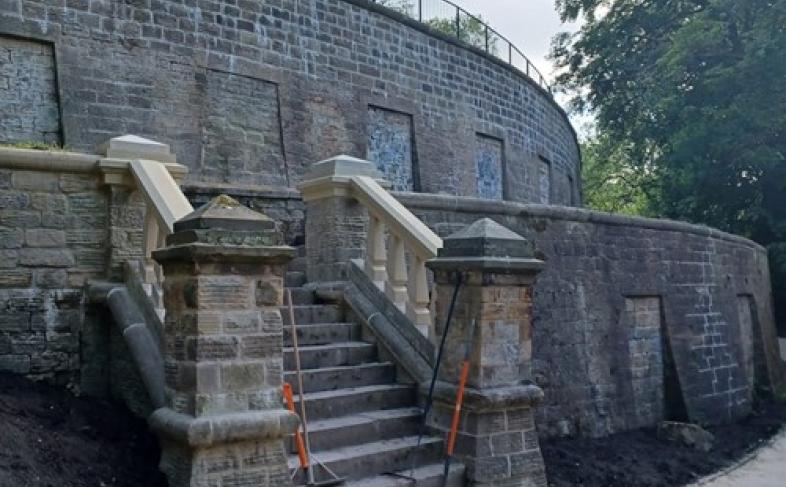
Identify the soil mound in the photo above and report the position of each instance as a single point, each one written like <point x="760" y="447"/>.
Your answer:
<point x="48" y="437"/>
<point x="639" y="458"/>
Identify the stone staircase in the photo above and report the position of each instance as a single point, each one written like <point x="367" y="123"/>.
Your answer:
<point x="363" y="414"/>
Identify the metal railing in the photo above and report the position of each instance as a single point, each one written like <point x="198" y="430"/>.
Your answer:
<point x="450" y="19"/>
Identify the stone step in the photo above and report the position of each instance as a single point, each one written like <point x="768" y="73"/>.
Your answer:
<point x="312" y="313"/>
<point x="375" y="458"/>
<point x="426" y="476"/>
<point x="298" y="264"/>
<point x="322" y="333"/>
<point x="332" y="378"/>
<point x="301" y="296"/>
<point x="331" y="355"/>
<point x="294" y="278"/>
<point x="355" y="400"/>
<point x="362" y="427"/>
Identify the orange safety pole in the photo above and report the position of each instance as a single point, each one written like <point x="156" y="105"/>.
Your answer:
<point x="301" y="449"/>
<point x="459" y="402"/>
<point x="457" y="410"/>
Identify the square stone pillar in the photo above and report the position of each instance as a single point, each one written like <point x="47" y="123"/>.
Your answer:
<point x="225" y="423"/>
<point x="497" y="439"/>
<point x="335" y="221"/>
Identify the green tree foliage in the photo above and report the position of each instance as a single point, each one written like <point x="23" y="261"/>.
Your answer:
<point x="469" y="29"/>
<point x="611" y="183"/>
<point x="689" y="96"/>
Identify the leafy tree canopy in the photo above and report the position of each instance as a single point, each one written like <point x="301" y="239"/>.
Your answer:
<point x="690" y="101"/>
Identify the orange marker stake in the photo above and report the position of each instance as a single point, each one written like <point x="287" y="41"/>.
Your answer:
<point x="457" y="410"/>
<point x="301" y="448"/>
<point x="459" y="401"/>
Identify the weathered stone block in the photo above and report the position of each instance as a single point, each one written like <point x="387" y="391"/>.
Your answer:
<point x="36" y="181"/>
<point x="20" y="218"/>
<point x="46" y="258"/>
<point x="11" y="238"/>
<point x="19" y="364"/>
<point x="243" y="376"/>
<point x="45" y="238"/>
<point x="15" y="322"/>
<point x="19" y="278"/>
<point x="217" y="347"/>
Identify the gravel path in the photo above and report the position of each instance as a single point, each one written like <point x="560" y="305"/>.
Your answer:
<point x="766" y="468"/>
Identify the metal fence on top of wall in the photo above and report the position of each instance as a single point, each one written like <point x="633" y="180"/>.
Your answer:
<point x="450" y="19"/>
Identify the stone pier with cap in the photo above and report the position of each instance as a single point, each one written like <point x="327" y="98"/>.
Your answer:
<point x="497" y="440"/>
<point x="224" y="422"/>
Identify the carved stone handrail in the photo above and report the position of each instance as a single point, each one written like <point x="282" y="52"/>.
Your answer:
<point x="398" y="244"/>
<point x="150" y="168"/>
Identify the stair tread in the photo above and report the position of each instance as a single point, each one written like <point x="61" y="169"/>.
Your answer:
<point x="329" y="346"/>
<point x="340" y="368"/>
<point x="369" y="448"/>
<point x="348" y="391"/>
<point x="430" y="471"/>
<point x="360" y="418"/>
<point x="334" y="323"/>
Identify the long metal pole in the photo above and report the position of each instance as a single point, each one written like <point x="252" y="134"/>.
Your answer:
<point x="301" y="391"/>
<point x="459" y="402"/>
<point x="430" y="398"/>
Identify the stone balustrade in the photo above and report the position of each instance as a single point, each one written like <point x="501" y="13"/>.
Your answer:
<point x="349" y="210"/>
<point x="148" y="167"/>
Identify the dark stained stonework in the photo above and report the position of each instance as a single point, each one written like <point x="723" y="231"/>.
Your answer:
<point x="252" y="92"/>
<point x="617" y="297"/>
<point x="28" y="92"/>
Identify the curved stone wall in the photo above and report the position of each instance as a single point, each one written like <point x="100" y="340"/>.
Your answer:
<point x="250" y="92"/>
<point x="635" y="320"/>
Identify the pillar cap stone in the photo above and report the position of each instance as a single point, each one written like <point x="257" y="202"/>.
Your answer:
<point x="485" y="245"/>
<point x="135" y="147"/>
<point x="224" y="229"/>
<point x="331" y="177"/>
<point x="341" y="166"/>
<point x="224" y="213"/>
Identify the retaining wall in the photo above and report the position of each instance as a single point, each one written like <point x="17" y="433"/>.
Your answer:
<point x="251" y="92"/>
<point x="636" y="320"/>
<point x="59" y="228"/>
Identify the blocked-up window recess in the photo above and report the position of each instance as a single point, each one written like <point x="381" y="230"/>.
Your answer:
<point x="543" y="182"/>
<point x="753" y="359"/>
<point x="242" y="132"/>
<point x="390" y="147"/>
<point x="489" y="167"/>
<point x="654" y="382"/>
<point x="28" y="92"/>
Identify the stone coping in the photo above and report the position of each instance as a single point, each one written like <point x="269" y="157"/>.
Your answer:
<point x="196" y="252"/>
<point x="234" y="190"/>
<point x="70" y="162"/>
<point x="219" y="429"/>
<point x="463" y="204"/>
<point x="47" y="160"/>
<point x="525" y="394"/>
<point x="503" y="265"/>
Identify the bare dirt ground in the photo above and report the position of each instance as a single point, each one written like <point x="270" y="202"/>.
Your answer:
<point x="638" y="458"/>
<point x="48" y="437"/>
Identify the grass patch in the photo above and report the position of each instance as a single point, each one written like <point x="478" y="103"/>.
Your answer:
<point x="30" y="144"/>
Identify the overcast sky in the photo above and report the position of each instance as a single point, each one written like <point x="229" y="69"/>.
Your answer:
<point x="530" y="25"/>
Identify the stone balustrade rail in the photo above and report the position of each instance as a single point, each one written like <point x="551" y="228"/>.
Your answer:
<point x="398" y="244"/>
